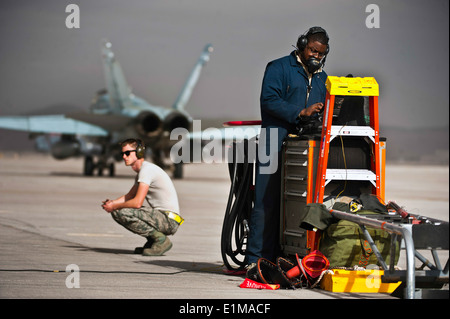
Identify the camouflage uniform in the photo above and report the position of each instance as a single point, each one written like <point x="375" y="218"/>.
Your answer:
<point x="145" y="220"/>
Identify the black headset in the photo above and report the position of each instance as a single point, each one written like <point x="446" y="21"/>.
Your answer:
<point x="140" y="149"/>
<point x="303" y="39"/>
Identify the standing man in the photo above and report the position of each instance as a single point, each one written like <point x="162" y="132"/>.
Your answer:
<point x="293" y="90"/>
<point x="150" y="209"/>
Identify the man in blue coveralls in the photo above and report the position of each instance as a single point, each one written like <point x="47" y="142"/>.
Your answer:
<point x="293" y="90"/>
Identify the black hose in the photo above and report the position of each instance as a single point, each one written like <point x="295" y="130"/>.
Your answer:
<point x="237" y="213"/>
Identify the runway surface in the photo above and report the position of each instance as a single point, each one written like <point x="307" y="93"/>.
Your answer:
<point x="51" y="220"/>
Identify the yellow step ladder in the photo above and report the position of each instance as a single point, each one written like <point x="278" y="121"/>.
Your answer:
<point x="347" y="86"/>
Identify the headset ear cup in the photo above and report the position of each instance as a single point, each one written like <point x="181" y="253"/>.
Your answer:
<point x="140" y="150"/>
<point x="303" y="39"/>
<point x="302" y="42"/>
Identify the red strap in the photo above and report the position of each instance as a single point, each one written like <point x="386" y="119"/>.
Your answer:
<point x="248" y="283"/>
<point x="238" y="123"/>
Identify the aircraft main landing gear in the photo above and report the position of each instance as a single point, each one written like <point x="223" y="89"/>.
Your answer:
<point x="90" y="166"/>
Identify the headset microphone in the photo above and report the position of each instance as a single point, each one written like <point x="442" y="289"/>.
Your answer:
<point x="313" y="64"/>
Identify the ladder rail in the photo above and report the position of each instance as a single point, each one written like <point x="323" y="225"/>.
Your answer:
<point x="324" y="147"/>
<point x="374" y="123"/>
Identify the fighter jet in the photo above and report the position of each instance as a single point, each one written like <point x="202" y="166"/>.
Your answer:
<point x="115" y="114"/>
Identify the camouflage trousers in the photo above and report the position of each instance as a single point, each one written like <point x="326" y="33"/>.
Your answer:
<point x="143" y="221"/>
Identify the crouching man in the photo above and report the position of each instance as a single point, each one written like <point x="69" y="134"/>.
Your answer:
<point x="150" y="209"/>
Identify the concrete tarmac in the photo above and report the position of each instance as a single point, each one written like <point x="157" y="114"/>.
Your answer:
<point x="51" y="223"/>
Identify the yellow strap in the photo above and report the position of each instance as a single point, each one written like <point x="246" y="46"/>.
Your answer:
<point x="175" y="217"/>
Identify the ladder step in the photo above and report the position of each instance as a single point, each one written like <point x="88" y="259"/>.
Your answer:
<point x="351" y="174"/>
<point x="345" y="130"/>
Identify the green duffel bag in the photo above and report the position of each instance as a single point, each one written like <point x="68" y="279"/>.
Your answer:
<point x="344" y="244"/>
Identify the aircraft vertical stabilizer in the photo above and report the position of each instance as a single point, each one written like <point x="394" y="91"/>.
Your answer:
<point x="116" y="84"/>
<point x="114" y="114"/>
<point x="186" y="91"/>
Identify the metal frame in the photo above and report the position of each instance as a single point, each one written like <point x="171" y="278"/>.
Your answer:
<point x="436" y="272"/>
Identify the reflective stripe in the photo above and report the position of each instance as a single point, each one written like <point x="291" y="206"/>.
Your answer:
<point x="175" y="217"/>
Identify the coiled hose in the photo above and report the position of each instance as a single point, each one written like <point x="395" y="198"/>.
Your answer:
<point x="240" y="203"/>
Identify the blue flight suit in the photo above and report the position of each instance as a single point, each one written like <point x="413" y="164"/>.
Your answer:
<point x="283" y="96"/>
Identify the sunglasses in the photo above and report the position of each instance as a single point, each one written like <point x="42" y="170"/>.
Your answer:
<point x="127" y="153"/>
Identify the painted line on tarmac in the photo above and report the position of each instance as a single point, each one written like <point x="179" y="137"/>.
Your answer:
<point x="93" y="235"/>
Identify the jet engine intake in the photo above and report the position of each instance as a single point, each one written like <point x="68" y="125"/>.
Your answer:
<point x="175" y="120"/>
<point x="148" y="124"/>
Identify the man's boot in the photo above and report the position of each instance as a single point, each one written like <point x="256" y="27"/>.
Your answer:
<point x="160" y="246"/>
<point x="148" y="244"/>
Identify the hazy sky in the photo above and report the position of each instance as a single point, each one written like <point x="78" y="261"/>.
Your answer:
<point x="43" y="63"/>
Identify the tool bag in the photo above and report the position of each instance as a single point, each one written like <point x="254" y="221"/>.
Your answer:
<point x="345" y="245"/>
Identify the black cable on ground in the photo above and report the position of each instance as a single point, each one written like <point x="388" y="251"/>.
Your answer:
<point x="239" y="206"/>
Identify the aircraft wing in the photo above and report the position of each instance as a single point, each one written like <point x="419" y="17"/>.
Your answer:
<point x="50" y="124"/>
<point x="108" y="122"/>
<point x="233" y="131"/>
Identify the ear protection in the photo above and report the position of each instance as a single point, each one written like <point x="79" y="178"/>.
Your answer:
<point x="140" y="149"/>
<point x="313" y="64"/>
<point x="303" y="39"/>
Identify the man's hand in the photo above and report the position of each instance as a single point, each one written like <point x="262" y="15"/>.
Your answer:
<point x="108" y="205"/>
<point x="311" y="110"/>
